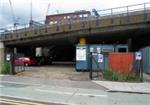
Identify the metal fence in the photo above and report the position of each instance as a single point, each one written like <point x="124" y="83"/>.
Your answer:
<point x="18" y="68"/>
<point x="146" y="59"/>
<point x="125" y="63"/>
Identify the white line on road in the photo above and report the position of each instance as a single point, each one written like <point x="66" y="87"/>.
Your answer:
<point x="70" y="93"/>
<point x="19" y="83"/>
<point x="1" y="86"/>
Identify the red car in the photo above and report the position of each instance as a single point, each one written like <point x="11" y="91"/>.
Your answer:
<point x="25" y="61"/>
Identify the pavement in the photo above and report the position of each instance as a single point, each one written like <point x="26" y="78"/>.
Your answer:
<point x="142" y="88"/>
<point x="146" y="77"/>
<point x="128" y="87"/>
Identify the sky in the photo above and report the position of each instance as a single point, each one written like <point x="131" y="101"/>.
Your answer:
<point x="21" y="9"/>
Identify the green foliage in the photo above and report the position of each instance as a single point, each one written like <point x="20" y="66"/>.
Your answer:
<point x="110" y="75"/>
<point x="133" y="77"/>
<point x="122" y="77"/>
<point x="5" y="68"/>
<point x="118" y="76"/>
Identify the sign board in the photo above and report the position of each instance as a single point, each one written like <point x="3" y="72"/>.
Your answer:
<point x="91" y="49"/>
<point x="138" y="55"/>
<point x="98" y="50"/>
<point x="81" y="54"/>
<point x="95" y="49"/>
<point x="107" y="49"/>
<point x="94" y="53"/>
<point x="8" y="57"/>
<point x="100" y="58"/>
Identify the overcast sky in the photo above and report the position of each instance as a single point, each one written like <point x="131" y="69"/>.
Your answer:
<point x="21" y="8"/>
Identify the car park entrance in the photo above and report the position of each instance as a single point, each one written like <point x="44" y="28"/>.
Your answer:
<point x="58" y="70"/>
<point x="60" y="65"/>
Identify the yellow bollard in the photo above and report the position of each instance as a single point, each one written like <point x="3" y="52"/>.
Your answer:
<point x="82" y="41"/>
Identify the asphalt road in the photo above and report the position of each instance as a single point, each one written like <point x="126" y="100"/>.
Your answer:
<point x="66" y="95"/>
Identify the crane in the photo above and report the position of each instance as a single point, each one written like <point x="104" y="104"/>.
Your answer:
<point x="31" y="20"/>
<point x="48" y="9"/>
<point x="13" y="15"/>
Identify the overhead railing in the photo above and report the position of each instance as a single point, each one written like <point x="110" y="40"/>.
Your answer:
<point x="125" y="9"/>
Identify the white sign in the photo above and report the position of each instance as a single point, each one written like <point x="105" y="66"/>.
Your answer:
<point x="138" y="56"/>
<point x="98" y="50"/>
<point x="8" y="57"/>
<point x="81" y="54"/>
<point x="100" y="58"/>
<point x="91" y="49"/>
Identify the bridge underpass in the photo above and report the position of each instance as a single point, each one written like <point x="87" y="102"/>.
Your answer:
<point x="139" y="32"/>
<point x="65" y="48"/>
<point x="135" y="39"/>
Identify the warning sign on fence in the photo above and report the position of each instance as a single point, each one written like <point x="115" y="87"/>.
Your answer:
<point x="100" y="58"/>
<point x="8" y="57"/>
<point x="138" y="56"/>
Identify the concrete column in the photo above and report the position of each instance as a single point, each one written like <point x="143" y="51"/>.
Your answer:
<point x="2" y="53"/>
<point x="38" y="51"/>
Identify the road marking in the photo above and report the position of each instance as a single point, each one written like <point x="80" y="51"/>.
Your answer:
<point x="18" y="102"/>
<point x="2" y="75"/>
<point x="12" y="103"/>
<point x="69" y="93"/>
<point x="19" y="83"/>
<point x="1" y="86"/>
<point x="94" y="95"/>
<point x="51" y="91"/>
<point x="32" y="99"/>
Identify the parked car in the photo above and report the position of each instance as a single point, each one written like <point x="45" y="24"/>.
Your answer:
<point x="43" y="60"/>
<point x="26" y="61"/>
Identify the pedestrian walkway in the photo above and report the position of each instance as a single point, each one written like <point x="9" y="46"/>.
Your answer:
<point x="146" y="77"/>
<point x="125" y="87"/>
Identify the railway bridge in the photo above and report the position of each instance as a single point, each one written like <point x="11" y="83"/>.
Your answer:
<point x="131" y="27"/>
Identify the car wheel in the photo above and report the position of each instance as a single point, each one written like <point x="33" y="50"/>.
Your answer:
<point x="26" y="64"/>
<point x="50" y="62"/>
<point x="39" y="63"/>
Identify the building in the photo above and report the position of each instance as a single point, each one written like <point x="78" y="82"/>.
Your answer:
<point x="60" y="18"/>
